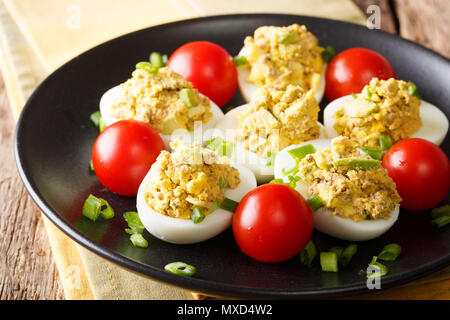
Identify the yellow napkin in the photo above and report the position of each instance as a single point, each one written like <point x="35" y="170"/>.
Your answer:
<point x="39" y="36"/>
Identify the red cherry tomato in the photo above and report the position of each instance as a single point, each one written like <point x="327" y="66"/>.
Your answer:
<point x="123" y="154"/>
<point x="209" y="67"/>
<point x="272" y="223"/>
<point x="420" y="169"/>
<point x="352" y="69"/>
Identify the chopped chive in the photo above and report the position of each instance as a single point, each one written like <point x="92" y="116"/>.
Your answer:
<point x="101" y="125"/>
<point x="93" y="207"/>
<point x="329" y="261"/>
<point x="221" y="147"/>
<point x="291" y="171"/>
<point x="280" y="181"/>
<point x="301" y="152"/>
<point x="188" y="98"/>
<point x="441" y="221"/>
<point x="270" y="158"/>
<point x="385" y="142"/>
<point x="308" y="254"/>
<point x="292" y="181"/>
<point x="356" y="164"/>
<point x="328" y="54"/>
<point x="390" y="252"/>
<point x="134" y="222"/>
<point x="197" y="215"/>
<point x="412" y="89"/>
<point x="91" y="166"/>
<point x="138" y="240"/>
<point x="290" y="37"/>
<point x="240" y="61"/>
<point x="373" y="152"/>
<point x="440" y="212"/>
<point x="181" y="268"/>
<point x="347" y="254"/>
<point x="229" y="205"/>
<point x="95" y="118"/>
<point x="338" y="250"/>
<point x="315" y="202"/>
<point x="156" y="60"/>
<point x="381" y="269"/>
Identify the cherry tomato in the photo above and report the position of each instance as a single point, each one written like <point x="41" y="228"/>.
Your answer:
<point x="352" y="69"/>
<point x="123" y="154"/>
<point x="209" y="67"/>
<point x="420" y="169"/>
<point x="272" y="223"/>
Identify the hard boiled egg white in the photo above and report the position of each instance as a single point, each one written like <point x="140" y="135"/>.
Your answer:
<point x="227" y="129"/>
<point x="324" y="220"/>
<point x="109" y="97"/>
<point x="434" y="121"/>
<point x="248" y="89"/>
<point x="181" y="231"/>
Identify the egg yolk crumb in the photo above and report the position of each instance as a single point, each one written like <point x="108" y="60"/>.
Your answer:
<point x="289" y="55"/>
<point x="356" y="193"/>
<point x="155" y="98"/>
<point x="190" y="176"/>
<point x="278" y="117"/>
<point x="385" y="107"/>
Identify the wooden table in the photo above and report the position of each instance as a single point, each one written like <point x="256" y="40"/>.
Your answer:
<point x="27" y="270"/>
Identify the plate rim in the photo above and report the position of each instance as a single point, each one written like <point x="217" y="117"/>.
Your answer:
<point x="199" y="284"/>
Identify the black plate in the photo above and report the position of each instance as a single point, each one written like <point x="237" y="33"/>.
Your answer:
<point x="54" y="138"/>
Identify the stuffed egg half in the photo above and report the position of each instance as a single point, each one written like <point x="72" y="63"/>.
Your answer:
<point x="251" y="135"/>
<point x="165" y="101"/>
<point x="385" y="107"/>
<point x="191" y="184"/>
<point x="281" y="55"/>
<point x="357" y="199"/>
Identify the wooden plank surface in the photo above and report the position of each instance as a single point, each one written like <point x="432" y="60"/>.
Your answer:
<point x="27" y="270"/>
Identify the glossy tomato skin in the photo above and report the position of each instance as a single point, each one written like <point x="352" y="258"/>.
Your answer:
<point x="420" y="170"/>
<point x="123" y="154"/>
<point x="352" y="69"/>
<point x="209" y="67"/>
<point x="272" y="223"/>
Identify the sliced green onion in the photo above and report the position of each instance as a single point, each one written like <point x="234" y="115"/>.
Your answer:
<point x="373" y="152"/>
<point x="101" y="125"/>
<point x="134" y="222"/>
<point x="293" y="181"/>
<point x="197" y="215"/>
<point x="188" y="98"/>
<point x="356" y="164"/>
<point x="91" y="166"/>
<point x="156" y="60"/>
<point x="221" y="147"/>
<point x="95" y="118"/>
<point x="347" y="254"/>
<point x="280" y="181"/>
<point x="382" y="270"/>
<point x="93" y="207"/>
<point x="440" y="212"/>
<point x="270" y="158"/>
<point x="315" y="202"/>
<point x="291" y="171"/>
<point x="229" y="205"/>
<point x="144" y="65"/>
<point x="240" y="61"/>
<point x="329" y="261"/>
<point x="308" y="254"/>
<point x="181" y="268"/>
<point x="165" y="59"/>
<point x="390" y="252"/>
<point x="440" y="222"/>
<point x="138" y="240"/>
<point x="412" y="89"/>
<point x="338" y="250"/>
<point x="385" y="142"/>
<point x="290" y="37"/>
<point x="328" y="53"/>
<point x="301" y="152"/>
<point x="223" y="183"/>
<point x="354" y="96"/>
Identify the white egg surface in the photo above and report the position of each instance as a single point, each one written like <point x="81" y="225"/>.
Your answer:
<point x="109" y="97"/>
<point x="434" y="122"/>
<point x="227" y="129"/>
<point x="324" y="219"/>
<point x="182" y="231"/>
<point x="248" y="89"/>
